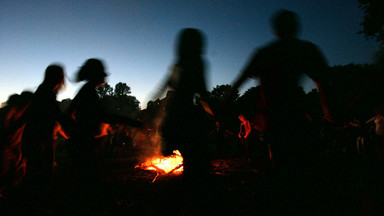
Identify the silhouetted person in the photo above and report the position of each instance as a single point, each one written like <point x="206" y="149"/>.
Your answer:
<point x="58" y="131"/>
<point x="89" y="116"/>
<point x="183" y="124"/>
<point x="11" y="172"/>
<point x="372" y="196"/>
<point x="378" y="141"/>
<point x="244" y="131"/>
<point x="40" y="119"/>
<point x="7" y="149"/>
<point x="4" y="113"/>
<point x="279" y="66"/>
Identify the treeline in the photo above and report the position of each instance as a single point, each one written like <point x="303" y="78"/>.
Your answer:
<point x="115" y="100"/>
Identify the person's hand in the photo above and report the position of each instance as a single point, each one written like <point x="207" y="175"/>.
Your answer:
<point x="327" y="116"/>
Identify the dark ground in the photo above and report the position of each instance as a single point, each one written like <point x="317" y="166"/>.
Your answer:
<point x="343" y="186"/>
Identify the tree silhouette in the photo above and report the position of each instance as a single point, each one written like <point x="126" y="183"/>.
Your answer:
<point x="104" y="90"/>
<point x="250" y="102"/>
<point x="355" y="90"/>
<point x="122" y="89"/>
<point x="227" y="114"/>
<point x="373" y="23"/>
<point x="217" y="94"/>
<point x="117" y="100"/>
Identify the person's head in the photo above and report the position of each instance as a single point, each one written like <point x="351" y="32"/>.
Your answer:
<point x="285" y="24"/>
<point x="54" y="76"/>
<point x="92" y="71"/>
<point x="12" y="100"/>
<point x="25" y="98"/>
<point x="190" y="42"/>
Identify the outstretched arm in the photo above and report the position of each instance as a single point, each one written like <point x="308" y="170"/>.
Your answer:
<point x="249" y="71"/>
<point x="170" y="81"/>
<point x="118" y="119"/>
<point x="324" y="104"/>
<point x="247" y="129"/>
<point x="318" y="72"/>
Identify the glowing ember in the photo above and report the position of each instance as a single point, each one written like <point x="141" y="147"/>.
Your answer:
<point x="170" y="164"/>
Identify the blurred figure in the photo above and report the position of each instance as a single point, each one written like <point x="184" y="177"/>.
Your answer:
<point x="58" y="131"/>
<point x="87" y="111"/>
<point x="102" y="146"/>
<point x="4" y="115"/>
<point x="245" y="130"/>
<point x="41" y="117"/>
<point x="122" y="140"/>
<point x="10" y="140"/>
<point x="103" y="137"/>
<point x="183" y="126"/>
<point x="378" y="120"/>
<point x="373" y="193"/>
<point x="279" y="66"/>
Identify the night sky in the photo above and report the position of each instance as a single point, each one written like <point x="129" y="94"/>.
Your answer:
<point x="136" y="38"/>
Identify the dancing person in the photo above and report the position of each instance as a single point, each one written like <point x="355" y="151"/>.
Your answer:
<point x="5" y="112"/>
<point x="378" y="120"/>
<point x="58" y="131"/>
<point x="185" y="121"/>
<point x="11" y="167"/>
<point x="89" y="116"/>
<point x="37" y="146"/>
<point x="245" y="130"/>
<point x="279" y="66"/>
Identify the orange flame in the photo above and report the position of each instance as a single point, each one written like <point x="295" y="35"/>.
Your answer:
<point x="170" y="164"/>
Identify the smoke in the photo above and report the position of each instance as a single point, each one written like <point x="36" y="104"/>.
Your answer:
<point x="149" y="142"/>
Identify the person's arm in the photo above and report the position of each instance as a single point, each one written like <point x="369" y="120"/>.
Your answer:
<point x="207" y="108"/>
<point x="118" y="119"/>
<point x="15" y="125"/>
<point x="324" y="103"/>
<point x="317" y="70"/>
<point x="247" y="72"/>
<point x="204" y="93"/>
<point x="66" y="122"/>
<point x="247" y="129"/>
<point x="239" y="135"/>
<point x="370" y="120"/>
<point x="61" y="132"/>
<point x="170" y="81"/>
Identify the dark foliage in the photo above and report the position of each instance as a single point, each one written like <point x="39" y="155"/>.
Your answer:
<point x="104" y="90"/>
<point x="373" y="23"/>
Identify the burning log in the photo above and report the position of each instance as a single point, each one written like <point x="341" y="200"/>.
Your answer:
<point x="164" y="165"/>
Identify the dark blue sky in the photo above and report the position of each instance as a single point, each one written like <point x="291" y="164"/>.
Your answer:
<point x="136" y="38"/>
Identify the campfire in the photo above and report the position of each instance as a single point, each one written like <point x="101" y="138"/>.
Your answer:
<point x="164" y="165"/>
